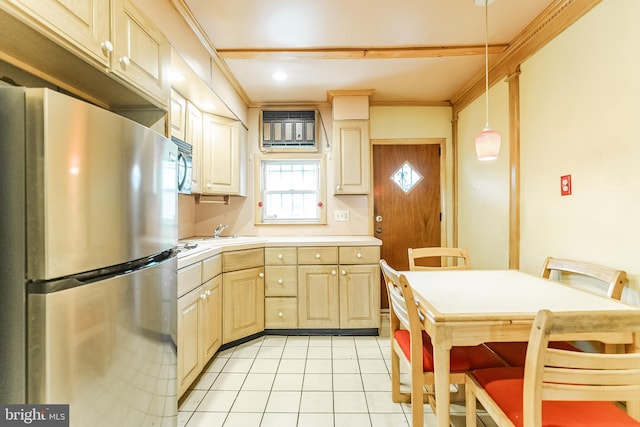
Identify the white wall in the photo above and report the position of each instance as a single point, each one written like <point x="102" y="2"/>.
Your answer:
<point x="483" y="186"/>
<point x="580" y="108"/>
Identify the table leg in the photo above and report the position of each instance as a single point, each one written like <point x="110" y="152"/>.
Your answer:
<point x="441" y="371"/>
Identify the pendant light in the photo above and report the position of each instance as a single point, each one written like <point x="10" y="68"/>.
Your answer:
<point x="487" y="141"/>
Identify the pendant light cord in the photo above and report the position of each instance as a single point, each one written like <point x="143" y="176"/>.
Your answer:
<point x="486" y="60"/>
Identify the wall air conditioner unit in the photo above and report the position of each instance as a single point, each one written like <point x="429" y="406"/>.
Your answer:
<point x="289" y="131"/>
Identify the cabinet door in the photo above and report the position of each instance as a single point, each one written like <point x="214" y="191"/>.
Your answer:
<point x="220" y="156"/>
<point x="178" y="115"/>
<point x="83" y="25"/>
<point x="142" y="54"/>
<point x="318" y="298"/>
<point x="189" y="358"/>
<point x="211" y="317"/>
<point x="193" y="136"/>
<point x="359" y="296"/>
<point x="351" y="156"/>
<point x="243" y="303"/>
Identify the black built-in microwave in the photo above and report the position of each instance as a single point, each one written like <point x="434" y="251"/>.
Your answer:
<point x="185" y="153"/>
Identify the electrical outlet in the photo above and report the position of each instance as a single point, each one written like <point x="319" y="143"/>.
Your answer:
<point x="565" y="185"/>
<point x="341" y="215"/>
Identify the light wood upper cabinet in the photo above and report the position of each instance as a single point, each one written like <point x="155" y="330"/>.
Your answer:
<point x="193" y="136"/>
<point x="223" y="152"/>
<point x="178" y="115"/>
<point x="142" y="55"/>
<point x="111" y="35"/>
<point x="82" y="26"/>
<point x="352" y="157"/>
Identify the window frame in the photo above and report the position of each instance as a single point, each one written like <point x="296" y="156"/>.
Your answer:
<point x="292" y="157"/>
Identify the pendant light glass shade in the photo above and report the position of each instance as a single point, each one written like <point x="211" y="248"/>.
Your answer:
<point x="488" y="144"/>
<point x="488" y="141"/>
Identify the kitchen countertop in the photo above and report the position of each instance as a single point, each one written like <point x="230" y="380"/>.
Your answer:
<point x="209" y="246"/>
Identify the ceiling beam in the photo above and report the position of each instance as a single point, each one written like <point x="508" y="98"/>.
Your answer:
<point x="359" y="52"/>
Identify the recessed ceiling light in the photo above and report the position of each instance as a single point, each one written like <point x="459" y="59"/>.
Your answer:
<point x="279" y="75"/>
<point x="482" y="2"/>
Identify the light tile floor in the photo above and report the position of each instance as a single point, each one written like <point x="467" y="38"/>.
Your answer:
<point x="323" y="381"/>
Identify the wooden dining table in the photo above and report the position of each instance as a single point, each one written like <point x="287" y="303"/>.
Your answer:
<point x="470" y="307"/>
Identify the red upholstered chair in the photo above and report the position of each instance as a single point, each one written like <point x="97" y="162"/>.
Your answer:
<point x="568" y="271"/>
<point x="410" y="342"/>
<point x="560" y="387"/>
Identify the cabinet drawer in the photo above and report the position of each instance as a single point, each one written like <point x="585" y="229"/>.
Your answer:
<point x="280" y="256"/>
<point x="281" y="280"/>
<point x="318" y="255"/>
<point x="280" y="313"/>
<point x="211" y="267"/>
<point x="189" y="278"/>
<point x="359" y="254"/>
<point x="240" y="260"/>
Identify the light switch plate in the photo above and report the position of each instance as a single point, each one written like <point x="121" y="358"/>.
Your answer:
<point x="341" y="215"/>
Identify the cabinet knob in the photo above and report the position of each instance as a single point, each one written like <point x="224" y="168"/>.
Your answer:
<point x="107" y="47"/>
<point x="124" y="62"/>
<point x="280" y="281"/>
<point x="343" y="272"/>
<point x="338" y="187"/>
<point x="358" y="255"/>
<point x="333" y="273"/>
<point x="208" y="292"/>
<point x="280" y="256"/>
<point x="261" y="274"/>
<point x="208" y="185"/>
<point x="203" y="296"/>
<point x="317" y="256"/>
<point x="280" y="314"/>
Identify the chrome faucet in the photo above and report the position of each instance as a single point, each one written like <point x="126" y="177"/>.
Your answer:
<point x="218" y="230"/>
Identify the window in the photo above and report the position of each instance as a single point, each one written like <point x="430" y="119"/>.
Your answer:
<point x="291" y="189"/>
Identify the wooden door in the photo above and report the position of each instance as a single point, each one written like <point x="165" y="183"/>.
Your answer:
<point x="408" y="218"/>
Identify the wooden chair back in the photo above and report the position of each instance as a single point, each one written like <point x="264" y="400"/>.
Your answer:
<point x="614" y="279"/>
<point x="450" y="258"/>
<point x="401" y="314"/>
<point x="554" y="374"/>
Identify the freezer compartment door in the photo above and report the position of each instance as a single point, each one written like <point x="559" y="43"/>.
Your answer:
<point x="107" y="349"/>
<point x="101" y="189"/>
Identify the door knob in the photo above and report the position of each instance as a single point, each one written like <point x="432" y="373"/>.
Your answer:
<point x="378" y="230"/>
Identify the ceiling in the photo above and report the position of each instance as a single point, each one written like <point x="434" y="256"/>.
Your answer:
<point x="407" y="51"/>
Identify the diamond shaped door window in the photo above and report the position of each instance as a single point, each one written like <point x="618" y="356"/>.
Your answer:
<point x="406" y="177"/>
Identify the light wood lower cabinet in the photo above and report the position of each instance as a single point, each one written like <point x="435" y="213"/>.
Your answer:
<point x="199" y="330"/>
<point x="199" y="318"/>
<point x="318" y="296"/>
<point x="339" y="287"/>
<point x="359" y="300"/>
<point x="243" y="293"/>
<point x="281" y="288"/>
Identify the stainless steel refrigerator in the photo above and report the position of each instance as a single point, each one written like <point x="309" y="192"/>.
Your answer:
<point x="88" y="272"/>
